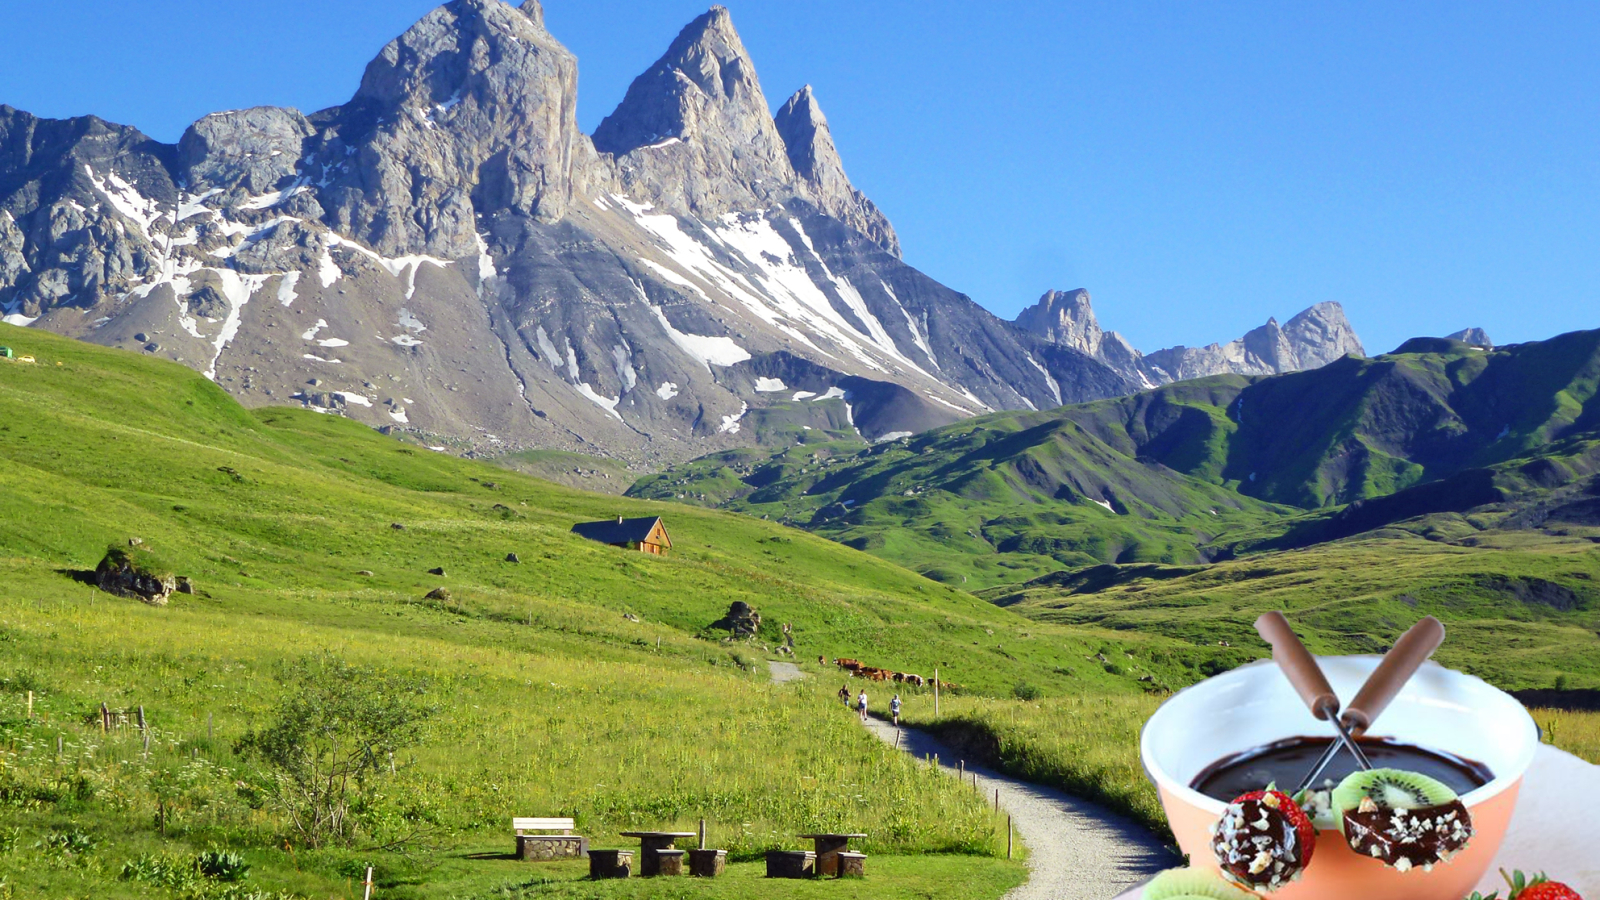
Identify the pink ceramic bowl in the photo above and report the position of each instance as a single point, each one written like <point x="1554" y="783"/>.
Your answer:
<point x="1254" y="705"/>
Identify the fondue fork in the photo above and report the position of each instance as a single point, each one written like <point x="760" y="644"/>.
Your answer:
<point x="1383" y="685"/>
<point x="1301" y="668"/>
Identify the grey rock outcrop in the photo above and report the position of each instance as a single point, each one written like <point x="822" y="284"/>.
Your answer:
<point x="815" y="159"/>
<point x="129" y="573"/>
<point x="1477" y="337"/>
<point x="251" y="152"/>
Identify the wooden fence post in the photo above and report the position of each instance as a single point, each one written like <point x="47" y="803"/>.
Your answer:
<point x="105" y="719"/>
<point x="702" y="834"/>
<point x="141" y="718"/>
<point x="996" y="799"/>
<point x="366" y="894"/>
<point x="30" y="704"/>
<point x="1008" y="837"/>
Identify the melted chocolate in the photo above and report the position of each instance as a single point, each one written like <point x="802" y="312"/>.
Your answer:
<point x="1257" y="843"/>
<point x="1409" y="838"/>
<point x="1286" y="762"/>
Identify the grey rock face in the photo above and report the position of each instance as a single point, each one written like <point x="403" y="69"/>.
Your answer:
<point x="1067" y="318"/>
<point x="1313" y="338"/>
<point x="68" y="235"/>
<point x="812" y="153"/>
<point x="694" y="134"/>
<point x="1477" y="337"/>
<point x="474" y="105"/>
<point x="249" y="152"/>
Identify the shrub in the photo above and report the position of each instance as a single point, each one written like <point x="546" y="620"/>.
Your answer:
<point x="222" y="865"/>
<point x="1025" y="692"/>
<point x="330" y="739"/>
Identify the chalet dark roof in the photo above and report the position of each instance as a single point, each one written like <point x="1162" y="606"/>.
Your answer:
<point x="617" y="531"/>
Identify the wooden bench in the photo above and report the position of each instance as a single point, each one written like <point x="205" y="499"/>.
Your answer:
<point x="564" y="845"/>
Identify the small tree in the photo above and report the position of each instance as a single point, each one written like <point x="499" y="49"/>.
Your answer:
<point x="331" y="736"/>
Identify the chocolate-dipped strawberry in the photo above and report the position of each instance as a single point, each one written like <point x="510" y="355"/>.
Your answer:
<point x="1405" y="820"/>
<point x="1264" y="840"/>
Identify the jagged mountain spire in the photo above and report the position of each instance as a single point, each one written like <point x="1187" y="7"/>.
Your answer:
<point x="815" y="158"/>
<point x="694" y="133"/>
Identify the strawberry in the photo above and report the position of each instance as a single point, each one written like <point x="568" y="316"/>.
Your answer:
<point x="1538" y="887"/>
<point x="1264" y="840"/>
<point x="1303" y="828"/>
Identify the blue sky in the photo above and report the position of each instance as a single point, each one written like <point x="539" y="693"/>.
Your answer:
<point x="1197" y="166"/>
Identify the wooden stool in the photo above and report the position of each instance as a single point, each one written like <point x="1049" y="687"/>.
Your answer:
<point x="791" y="863"/>
<point x="610" y="863"/>
<point x="852" y="865"/>
<point x="669" y="862"/>
<point x="707" y="863"/>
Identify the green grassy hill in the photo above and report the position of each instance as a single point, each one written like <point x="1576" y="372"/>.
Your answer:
<point x="583" y="680"/>
<point x="1199" y="471"/>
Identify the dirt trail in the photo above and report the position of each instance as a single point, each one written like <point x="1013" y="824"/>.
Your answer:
<point x="784" y="672"/>
<point x="1076" y="850"/>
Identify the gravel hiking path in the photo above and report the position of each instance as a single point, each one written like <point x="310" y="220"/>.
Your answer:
<point x="1076" y="850"/>
<point x="784" y="672"/>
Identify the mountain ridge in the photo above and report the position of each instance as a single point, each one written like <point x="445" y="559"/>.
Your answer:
<point x="1314" y="337"/>
<point x="1197" y="471"/>
<point x="447" y="254"/>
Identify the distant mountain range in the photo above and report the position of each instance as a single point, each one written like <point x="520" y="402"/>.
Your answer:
<point x="1312" y="339"/>
<point x="448" y="255"/>
<point x="1202" y="470"/>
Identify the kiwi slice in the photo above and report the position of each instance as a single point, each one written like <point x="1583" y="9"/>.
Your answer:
<point x="1193" y="884"/>
<point x="1389" y="789"/>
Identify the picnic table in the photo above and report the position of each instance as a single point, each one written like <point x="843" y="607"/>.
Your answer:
<point x="651" y="843"/>
<point x="829" y="846"/>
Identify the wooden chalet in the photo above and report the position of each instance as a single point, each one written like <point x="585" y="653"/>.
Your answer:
<point x="647" y="535"/>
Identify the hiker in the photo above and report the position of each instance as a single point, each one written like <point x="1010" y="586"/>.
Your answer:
<point x="861" y="704"/>
<point x="894" y="710"/>
<point x="844" y="696"/>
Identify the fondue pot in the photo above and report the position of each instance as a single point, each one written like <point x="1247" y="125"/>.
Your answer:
<point x="1254" y="706"/>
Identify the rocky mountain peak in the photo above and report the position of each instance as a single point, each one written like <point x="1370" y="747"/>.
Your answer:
<point x="815" y="159"/>
<point x="1067" y="318"/>
<point x="1477" y="337"/>
<point x="694" y="133"/>
<point x="475" y="105"/>
<point x="1312" y="339"/>
<point x="1320" y="335"/>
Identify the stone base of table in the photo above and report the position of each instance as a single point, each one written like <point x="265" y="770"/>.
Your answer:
<point x="669" y="862"/>
<point x="610" y="863"/>
<point x="539" y="847"/>
<point x="791" y="863"/>
<point x="707" y="863"/>
<point x="851" y="865"/>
